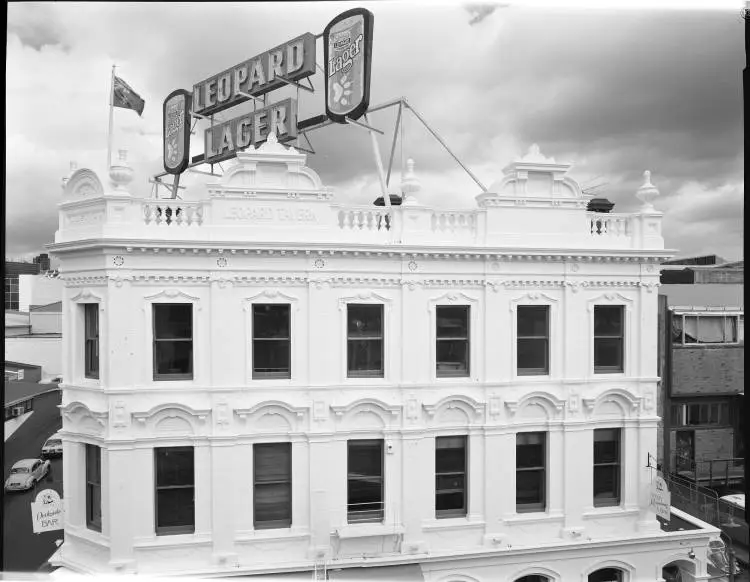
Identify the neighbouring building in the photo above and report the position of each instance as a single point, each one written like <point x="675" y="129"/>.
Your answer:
<point x="261" y="379"/>
<point x="703" y="323"/>
<point x="13" y="272"/>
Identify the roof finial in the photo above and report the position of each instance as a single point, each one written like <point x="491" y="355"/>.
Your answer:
<point x="647" y="193"/>
<point x="410" y="184"/>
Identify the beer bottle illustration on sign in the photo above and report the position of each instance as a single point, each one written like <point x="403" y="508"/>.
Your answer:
<point x="347" y="42"/>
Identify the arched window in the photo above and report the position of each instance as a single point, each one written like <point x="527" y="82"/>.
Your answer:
<point x="533" y="578"/>
<point x="607" y="575"/>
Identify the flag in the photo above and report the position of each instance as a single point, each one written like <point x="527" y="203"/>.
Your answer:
<point x="124" y="96"/>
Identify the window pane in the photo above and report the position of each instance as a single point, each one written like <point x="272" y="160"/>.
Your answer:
<point x="606" y="482"/>
<point x="450" y="455"/>
<point x="173" y="320"/>
<point x="91" y="311"/>
<point x="530" y="488"/>
<point x="272" y="356"/>
<point x="453" y="356"/>
<point x="365" y="357"/>
<point x="272" y="462"/>
<point x="710" y="329"/>
<point x="273" y="503"/>
<point x="451" y="501"/>
<point x="452" y="322"/>
<point x="532" y="320"/>
<point x="365" y="480"/>
<point x="530" y="450"/>
<point x="176" y="507"/>
<point x="93" y="464"/>
<point x="608" y="353"/>
<point x="173" y="357"/>
<point x="606" y="575"/>
<point x="365" y="320"/>
<point x="174" y="466"/>
<point x="606" y="445"/>
<point x="365" y="458"/>
<point x="691" y="329"/>
<point x="270" y="321"/>
<point x="532" y="355"/>
<point x="608" y="320"/>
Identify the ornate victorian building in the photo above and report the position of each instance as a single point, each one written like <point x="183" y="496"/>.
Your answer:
<point x="261" y="379"/>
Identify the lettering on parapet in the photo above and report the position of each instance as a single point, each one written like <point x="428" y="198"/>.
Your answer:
<point x="269" y="214"/>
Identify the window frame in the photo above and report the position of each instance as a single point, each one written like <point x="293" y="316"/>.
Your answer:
<point x="737" y="316"/>
<point x="469" y="328"/>
<point x="179" y="529"/>
<point x="366" y="373"/>
<point x="273" y="524"/>
<point x="464" y="510"/>
<point x="617" y="499"/>
<point x="599" y="369"/>
<point x="546" y="339"/>
<point x="93" y="519"/>
<point x="256" y="375"/>
<point x="380" y="514"/>
<point x="91" y="310"/>
<point x="540" y="506"/>
<point x="176" y="376"/>
<point x="681" y="411"/>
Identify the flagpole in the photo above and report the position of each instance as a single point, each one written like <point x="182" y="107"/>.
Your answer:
<point x="111" y="112"/>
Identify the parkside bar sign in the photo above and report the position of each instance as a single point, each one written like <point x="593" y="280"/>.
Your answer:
<point x="348" y="47"/>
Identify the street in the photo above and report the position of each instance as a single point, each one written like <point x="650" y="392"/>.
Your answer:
<point x="23" y="550"/>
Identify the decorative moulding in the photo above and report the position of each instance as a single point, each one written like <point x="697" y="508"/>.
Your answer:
<point x="624" y="398"/>
<point x="268" y="295"/>
<point x="368" y="405"/>
<point x="171" y="294"/>
<point x="77" y="411"/>
<point x="470" y="406"/>
<point x="368" y="297"/>
<point x="171" y="410"/>
<point x="613" y="297"/>
<point x="452" y="297"/>
<point x="84" y="183"/>
<point x="86" y="296"/>
<point x="551" y="403"/>
<point x="269" y="406"/>
<point x="533" y="297"/>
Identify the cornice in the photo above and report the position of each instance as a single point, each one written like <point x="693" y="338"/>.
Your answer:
<point x="329" y="249"/>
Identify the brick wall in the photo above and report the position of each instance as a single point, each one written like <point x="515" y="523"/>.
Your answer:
<point x="708" y="370"/>
<point x="710" y="443"/>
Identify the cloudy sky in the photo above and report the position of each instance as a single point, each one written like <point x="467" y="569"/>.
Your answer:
<point x="614" y="91"/>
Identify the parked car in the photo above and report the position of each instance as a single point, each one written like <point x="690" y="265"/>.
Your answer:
<point x="25" y="474"/>
<point x="52" y="447"/>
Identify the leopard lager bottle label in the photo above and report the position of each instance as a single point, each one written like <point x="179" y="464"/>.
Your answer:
<point x="348" y="48"/>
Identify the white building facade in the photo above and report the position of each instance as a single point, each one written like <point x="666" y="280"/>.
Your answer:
<point x="261" y="380"/>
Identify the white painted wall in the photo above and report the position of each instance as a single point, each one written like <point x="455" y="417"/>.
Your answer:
<point x="302" y="249"/>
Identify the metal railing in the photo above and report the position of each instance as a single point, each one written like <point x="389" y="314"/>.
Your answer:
<point x="713" y="472"/>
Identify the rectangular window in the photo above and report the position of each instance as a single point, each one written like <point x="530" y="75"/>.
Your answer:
<point x="609" y="332"/>
<point x="272" y="485"/>
<point x="173" y="341"/>
<point x="707" y="329"/>
<point x="175" y="490"/>
<point x="701" y="414"/>
<point x="606" y="467"/>
<point x="271" y="341"/>
<point x="364" y="324"/>
<point x="91" y="334"/>
<point x="11" y="292"/>
<point x="452" y="333"/>
<point x="532" y="326"/>
<point x="93" y="487"/>
<point x="531" y="473"/>
<point x="450" y="476"/>
<point x="365" y="501"/>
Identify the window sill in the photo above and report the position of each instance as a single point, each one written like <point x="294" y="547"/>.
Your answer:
<point x="281" y="534"/>
<point x="173" y="540"/>
<point x="609" y="511"/>
<point x="533" y="517"/>
<point x="449" y="523"/>
<point x="87" y="535"/>
<point x="368" y="530"/>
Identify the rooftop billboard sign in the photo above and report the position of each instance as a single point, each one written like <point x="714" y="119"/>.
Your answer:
<point x="292" y="61"/>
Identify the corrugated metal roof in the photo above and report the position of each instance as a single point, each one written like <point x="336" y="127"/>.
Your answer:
<point x="705" y="295"/>
<point x="55" y="307"/>
<point x="19" y="390"/>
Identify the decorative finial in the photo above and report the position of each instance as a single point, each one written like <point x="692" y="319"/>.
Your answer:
<point x="272" y="139"/>
<point x="647" y="193"/>
<point x="73" y="167"/>
<point x="410" y="184"/>
<point x="120" y="173"/>
<point x="534" y="150"/>
<point x="535" y="156"/>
